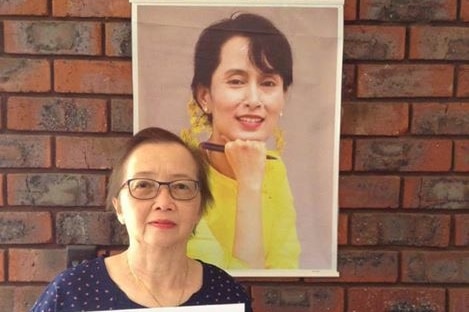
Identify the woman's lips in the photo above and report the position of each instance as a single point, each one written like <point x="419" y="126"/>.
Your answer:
<point x="250" y="122"/>
<point x="163" y="224"/>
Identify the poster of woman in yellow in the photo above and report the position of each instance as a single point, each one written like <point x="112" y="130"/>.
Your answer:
<point x="257" y="90"/>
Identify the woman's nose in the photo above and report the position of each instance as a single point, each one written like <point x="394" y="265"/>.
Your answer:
<point x="253" y="96"/>
<point x="163" y="200"/>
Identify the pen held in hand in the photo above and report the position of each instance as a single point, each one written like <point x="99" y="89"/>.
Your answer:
<point x="221" y="148"/>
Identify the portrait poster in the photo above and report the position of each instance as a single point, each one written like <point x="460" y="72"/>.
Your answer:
<point x="164" y="36"/>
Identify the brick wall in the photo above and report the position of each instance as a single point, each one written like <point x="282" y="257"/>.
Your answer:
<point x="66" y="105"/>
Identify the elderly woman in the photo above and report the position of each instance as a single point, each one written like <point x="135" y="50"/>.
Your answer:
<point x="158" y="189"/>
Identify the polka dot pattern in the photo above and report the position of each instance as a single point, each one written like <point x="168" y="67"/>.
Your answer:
<point x="88" y="287"/>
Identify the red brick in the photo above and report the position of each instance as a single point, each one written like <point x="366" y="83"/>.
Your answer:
<point x="440" y="118"/>
<point x="297" y="299"/>
<point x="91" y="8"/>
<point x="357" y="266"/>
<point x="405" y="80"/>
<point x="18" y="298"/>
<point x="403" y="155"/>
<point x="374" y="42"/>
<point x="23" y="7"/>
<point x="85" y="228"/>
<point x="350" y="10"/>
<point x="458" y="299"/>
<point x="435" y="266"/>
<point x="439" y="43"/>
<point x="461" y="156"/>
<point x="400" y="229"/>
<point x="56" y="114"/>
<point x="348" y="82"/>
<point x="369" y="192"/>
<point x="35" y="265"/>
<point x="342" y="237"/>
<point x="436" y="192"/>
<point x="24" y="297"/>
<point x="25" y="227"/>
<point x="52" y="37"/>
<point x="463" y="81"/>
<point x="388" y="119"/>
<point x="461" y="230"/>
<point x="122" y="115"/>
<point x="7" y="297"/>
<point x="80" y="76"/>
<point x="87" y="152"/>
<point x="25" y="151"/>
<point x="24" y="75"/>
<point x="50" y="189"/>
<point x="118" y="39"/>
<point x="389" y="10"/>
<point x="367" y="299"/>
<point x="346" y="150"/>
<point x="2" y="267"/>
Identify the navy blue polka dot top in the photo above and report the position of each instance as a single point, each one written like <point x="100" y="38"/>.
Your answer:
<point x="88" y="287"/>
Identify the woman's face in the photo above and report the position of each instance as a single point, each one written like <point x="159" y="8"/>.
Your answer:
<point x="161" y="221"/>
<point x="245" y="103"/>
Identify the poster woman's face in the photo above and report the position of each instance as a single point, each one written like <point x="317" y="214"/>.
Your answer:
<point x="245" y="102"/>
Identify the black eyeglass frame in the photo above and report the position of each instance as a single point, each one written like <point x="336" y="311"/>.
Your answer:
<point x="160" y="183"/>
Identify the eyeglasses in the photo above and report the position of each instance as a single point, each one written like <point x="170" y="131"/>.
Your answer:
<point x="148" y="188"/>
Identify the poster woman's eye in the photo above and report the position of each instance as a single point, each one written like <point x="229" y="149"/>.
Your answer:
<point x="271" y="80"/>
<point x="269" y="83"/>
<point x="236" y="81"/>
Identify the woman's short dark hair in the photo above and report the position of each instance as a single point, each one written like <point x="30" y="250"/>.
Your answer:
<point x="269" y="48"/>
<point x="154" y="135"/>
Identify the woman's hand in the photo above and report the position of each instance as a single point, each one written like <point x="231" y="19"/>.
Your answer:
<point x="247" y="160"/>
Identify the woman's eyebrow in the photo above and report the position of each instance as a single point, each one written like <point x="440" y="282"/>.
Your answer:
<point x="235" y="71"/>
<point x="182" y="176"/>
<point x="242" y="72"/>
<point x="150" y="174"/>
<point x="271" y="74"/>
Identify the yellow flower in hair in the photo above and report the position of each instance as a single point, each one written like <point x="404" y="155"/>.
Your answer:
<point x="198" y="124"/>
<point x="279" y="140"/>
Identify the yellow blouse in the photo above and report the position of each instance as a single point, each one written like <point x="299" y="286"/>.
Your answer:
<point x="213" y="241"/>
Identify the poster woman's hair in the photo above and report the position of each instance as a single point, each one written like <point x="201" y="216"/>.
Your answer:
<point x="269" y="49"/>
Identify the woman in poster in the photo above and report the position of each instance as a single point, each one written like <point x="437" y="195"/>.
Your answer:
<point x="242" y="72"/>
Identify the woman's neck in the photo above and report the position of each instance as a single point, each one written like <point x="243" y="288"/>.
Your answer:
<point x="155" y="261"/>
<point x="163" y="278"/>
